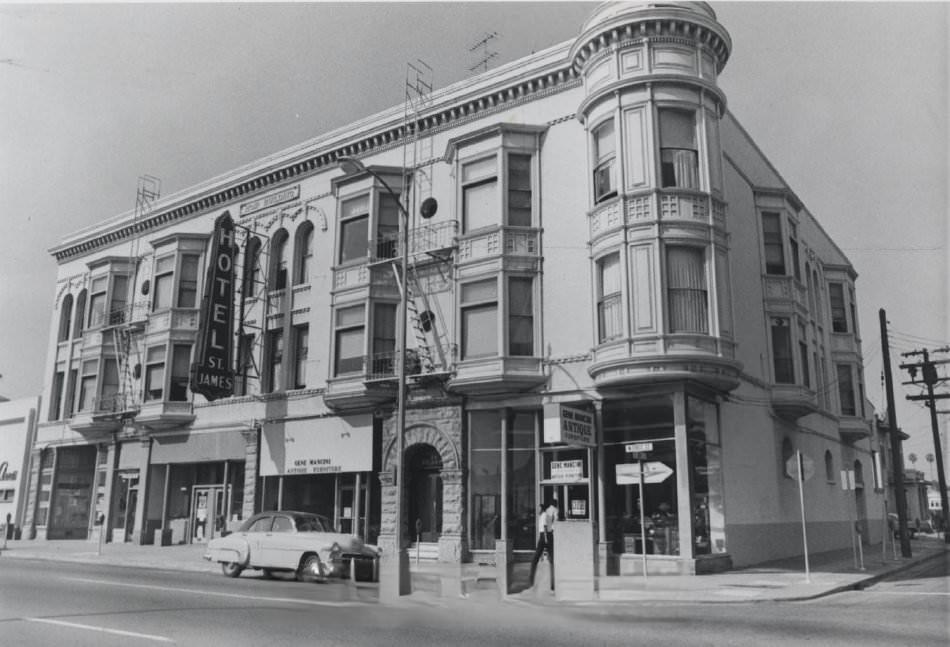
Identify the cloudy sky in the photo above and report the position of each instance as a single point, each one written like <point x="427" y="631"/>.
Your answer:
<point x="848" y="100"/>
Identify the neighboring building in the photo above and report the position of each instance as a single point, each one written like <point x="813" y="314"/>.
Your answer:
<point x="18" y="420"/>
<point x="610" y="246"/>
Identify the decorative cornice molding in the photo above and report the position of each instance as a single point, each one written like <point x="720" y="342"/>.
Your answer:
<point x="454" y="111"/>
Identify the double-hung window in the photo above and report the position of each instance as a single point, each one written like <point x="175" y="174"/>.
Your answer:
<point x="846" y="390"/>
<point x="520" y="316"/>
<point x="278" y="251"/>
<point x="99" y="289"/>
<point x="480" y="194"/>
<point x="803" y="356"/>
<point x="679" y="158"/>
<point x="164" y="282"/>
<point x="165" y="293"/>
<point x="155" y="373"/>
<point x="479" y="314"/>
<point x="87" y="385"/>
<point x="609" y="302"/>
<point x="687" y="293"/>
<point x="783" y="361"/>
<point x="839" y="312"/>
<point x="605" y="148"/>
<point x="384" y="339"/>
<point x="519" y="190"/>
<point x="275" y="360"/>
<point x="65" y="318"/>
<point x="772" y="240"/>
<point x="181" y="364"/>
<point x="793" y="248"/>
<point x="301" y="351"/>
<point x="109" y="392"/>
<point x="350" y="326"/>
<point x="354" y="229"/>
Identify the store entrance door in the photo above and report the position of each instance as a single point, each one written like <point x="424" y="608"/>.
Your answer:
<point x="207" y="512"/>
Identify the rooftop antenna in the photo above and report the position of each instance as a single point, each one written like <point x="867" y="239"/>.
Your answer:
<point x="486" y="54"/>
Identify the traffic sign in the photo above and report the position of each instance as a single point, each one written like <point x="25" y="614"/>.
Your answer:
<point x="653" y="472"/>
<point x="638" y="448"/>
<point x="808" y="467"/>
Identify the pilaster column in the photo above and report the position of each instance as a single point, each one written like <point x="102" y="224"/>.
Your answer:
<point x="451" y="540"/>
<point x="140" y="528"/>
<point x="33" y="489"/>
<point x="251" y="453"/>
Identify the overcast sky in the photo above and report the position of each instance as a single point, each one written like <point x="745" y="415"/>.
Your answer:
<point x="848" y="100"/>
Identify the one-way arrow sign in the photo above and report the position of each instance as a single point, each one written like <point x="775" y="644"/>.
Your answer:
<point x="653" y="472"/>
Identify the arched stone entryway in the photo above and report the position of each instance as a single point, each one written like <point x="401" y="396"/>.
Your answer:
<point x="431" y="489"/>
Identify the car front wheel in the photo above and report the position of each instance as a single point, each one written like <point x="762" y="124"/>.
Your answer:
<point x="231" y="569"/>
<point x="309" y="570"/>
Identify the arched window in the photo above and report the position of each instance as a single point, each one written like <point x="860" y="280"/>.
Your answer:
<point x="829" y="467"/>
<point x="278" y="260"/>
<point x="251" y="273"/>
<point x="303" y="253"/>
<point x="79" y="318"/>
<point x="65" y="318"/>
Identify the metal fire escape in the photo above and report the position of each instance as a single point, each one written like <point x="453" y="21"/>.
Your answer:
<point x="430" y="245"/>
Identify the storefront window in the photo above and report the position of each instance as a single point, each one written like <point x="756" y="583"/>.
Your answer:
<point x="705" y="459"/>
<point x="485" y="474"/>
<point x="520" y="464"/>
<point x="626" y="423"/>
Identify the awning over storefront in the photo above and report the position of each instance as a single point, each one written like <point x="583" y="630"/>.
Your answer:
<point x="318" y="446"/>
<point x="198" y="448"/>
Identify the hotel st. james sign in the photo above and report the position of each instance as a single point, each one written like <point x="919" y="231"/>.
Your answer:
<point x="270" y="200"/>
<point x="212" y="374"/>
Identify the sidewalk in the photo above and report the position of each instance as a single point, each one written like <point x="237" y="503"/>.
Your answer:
<point x="781" y="580"/>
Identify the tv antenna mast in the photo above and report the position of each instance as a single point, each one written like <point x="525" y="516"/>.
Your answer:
<point x="486" y="54"/>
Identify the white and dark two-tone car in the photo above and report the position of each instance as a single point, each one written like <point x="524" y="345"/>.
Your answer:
<point x="301" y="543"/>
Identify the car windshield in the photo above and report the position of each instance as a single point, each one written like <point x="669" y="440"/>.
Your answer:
<point x="311" y="524"/>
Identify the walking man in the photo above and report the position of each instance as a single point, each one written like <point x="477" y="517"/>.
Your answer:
<point x="547" y="515"/>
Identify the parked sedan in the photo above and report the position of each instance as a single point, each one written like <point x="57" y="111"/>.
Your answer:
<point x="298" y="542"/>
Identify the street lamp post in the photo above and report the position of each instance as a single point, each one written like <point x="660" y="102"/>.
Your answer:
<point x="394" y="576"/>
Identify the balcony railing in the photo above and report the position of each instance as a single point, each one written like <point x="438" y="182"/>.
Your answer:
<point x="422" y="239"/>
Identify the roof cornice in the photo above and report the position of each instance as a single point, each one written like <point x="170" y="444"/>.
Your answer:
<point x="543" y="73"/>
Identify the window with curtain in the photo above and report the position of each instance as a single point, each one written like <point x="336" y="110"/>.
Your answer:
<point x="772" y="240"/>
<point x="275" y="360"/>
<point x="480" y="194"/>
<point x="679" y="159"/>
<point x="354" y="229"/>
<point x="687" y="292"/>
<point x="605" y="149"/>
<point x="609" y="300"/>
<point x="387" y="226"/>
<point x="479" y="310"/>
<point x="519" y="190"/>
<point x="520" y="316"/>
<point x="163" y="282"/>
<point x="301" y="351"/>
<point x="782" y="351"/>
<point x="155" y="373"/>
<point x="839" y="316"/>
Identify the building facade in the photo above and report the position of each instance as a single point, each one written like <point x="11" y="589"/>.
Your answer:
<point x="18" y="420"/>
<point x="606" y="278"/>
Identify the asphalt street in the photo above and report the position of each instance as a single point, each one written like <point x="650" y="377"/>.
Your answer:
<point x="56" y="603"/>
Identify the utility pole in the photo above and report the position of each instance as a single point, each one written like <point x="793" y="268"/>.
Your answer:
<point x="897" y="455"/>
<point x="928" y="374"/>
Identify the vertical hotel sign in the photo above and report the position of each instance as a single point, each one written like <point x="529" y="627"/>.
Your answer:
<point x="211" y="372"/>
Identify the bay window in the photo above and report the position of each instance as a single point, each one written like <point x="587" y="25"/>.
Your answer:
<point x="609" y="301"/>
<point x="87" y="385"/>
<point x="846" y="390"/>
<point x="181" y="365"/>
<point x="605" y="148"/>
<point x="479" y="315"/>
<point x="772" y="240"/>
<point x="98" y="289"/>
<point x="109" y="393"/>
<point x="519" y="190"/>
<point x="354" y="229"/>
<point x="164" y="292"/>
<point x="349" y="332"/>
<point x="782" y="351"/>
<point x="520" y="316"/>
<point x="839" y="313"/>
<point x="384" y="339"/>
<point x="155" y="373"/>
<point x="679" y="158"/>
<point x="686" y="290"/>
<point x="480" y="194"/>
